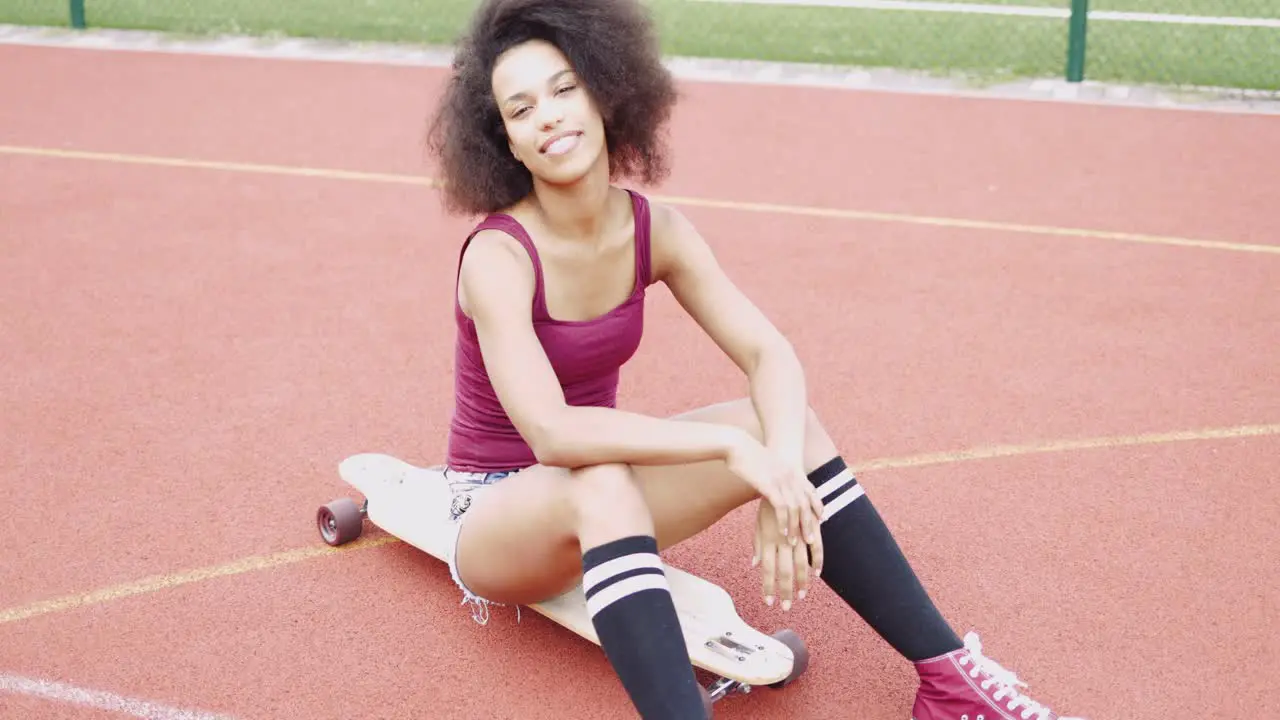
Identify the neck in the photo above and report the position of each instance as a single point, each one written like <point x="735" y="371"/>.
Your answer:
<point x="577" y="211"/>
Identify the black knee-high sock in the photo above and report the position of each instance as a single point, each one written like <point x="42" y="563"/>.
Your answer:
<point x="867" y="569"/>
<point x="632" y="611"/>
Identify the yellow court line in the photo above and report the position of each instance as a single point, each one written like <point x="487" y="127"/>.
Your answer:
<point x="288" y="557"/>
<point x="128" y="159"/>
<point x="186" y="577"/>
<point x="741" y="206"/>
<point x="1055" y="446"/>
<point x="961" y="223"/>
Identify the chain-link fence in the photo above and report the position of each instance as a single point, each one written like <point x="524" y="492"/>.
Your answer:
<point x="1224" y="43"/>
<point x="1231" y="44"/>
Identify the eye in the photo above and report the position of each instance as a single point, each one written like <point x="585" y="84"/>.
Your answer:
<point x="566" y="88"/>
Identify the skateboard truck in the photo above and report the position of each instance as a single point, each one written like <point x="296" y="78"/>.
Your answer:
<point x="725" y="646"/>
<point x="722" y="687"/>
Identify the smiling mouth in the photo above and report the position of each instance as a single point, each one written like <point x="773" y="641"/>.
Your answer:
<point x="561" y="143"/>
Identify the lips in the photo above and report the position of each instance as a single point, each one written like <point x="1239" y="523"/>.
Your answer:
<point x="560" y="143"/>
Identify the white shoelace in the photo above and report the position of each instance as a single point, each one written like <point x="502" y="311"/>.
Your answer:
<point x="1005" y="681"/>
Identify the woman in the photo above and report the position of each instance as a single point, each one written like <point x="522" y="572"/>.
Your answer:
<point x="551" y="101"/>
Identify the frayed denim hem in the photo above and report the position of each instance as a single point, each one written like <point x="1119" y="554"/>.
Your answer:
<point x="464" y="486"/>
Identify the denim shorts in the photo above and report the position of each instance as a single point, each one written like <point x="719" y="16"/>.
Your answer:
<point x="464" y="487"/>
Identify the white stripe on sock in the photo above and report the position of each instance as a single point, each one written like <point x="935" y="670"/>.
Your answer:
<point x="840" y="480"/>
<point x="617" y="566"/>
<point x="842" y="501"/>
<point x="623" y="588"/>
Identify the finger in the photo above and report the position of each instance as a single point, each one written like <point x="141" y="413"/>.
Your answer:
<point x="799" y="509"/>
<point x="809" y="522"/>
<point x="812" y="519"/>
<point x="812" y="533"/>
<point x="779" y="503"/>
<point x="755" y="548"/>
<point x="800" y="559"/>
<point x="768" y="568"/>
<point x="786" y="576"/>
<point x="769" y="493"/>
<point x="816" y="501"/>
<point x="817" y="555"/>
<point x="791" y="528"/>
<point x="796" y="512"/>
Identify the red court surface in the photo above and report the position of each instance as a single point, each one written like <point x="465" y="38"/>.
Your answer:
<point x="190" y="351"/>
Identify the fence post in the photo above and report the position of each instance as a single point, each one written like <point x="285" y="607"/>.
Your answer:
<point x="77" y="14"/>
<point x="1076" y="40"/>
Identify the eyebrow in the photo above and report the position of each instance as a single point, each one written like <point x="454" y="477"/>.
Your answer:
<point x="553" y="78"/>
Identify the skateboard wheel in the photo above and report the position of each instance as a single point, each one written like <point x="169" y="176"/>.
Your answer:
<point x="340" y="521"/>
<point x="793" y="641"/>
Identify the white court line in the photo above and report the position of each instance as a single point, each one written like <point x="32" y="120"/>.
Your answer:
<point x="1161" y="18"/>
<point x="960" y="8"/>
<point x="61" y="692"/>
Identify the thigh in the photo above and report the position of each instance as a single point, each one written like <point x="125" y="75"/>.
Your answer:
<point x="518" y="544"/>
<point x="687" y="499"/>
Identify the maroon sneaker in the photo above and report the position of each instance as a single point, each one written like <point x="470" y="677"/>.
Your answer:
<point x="967" y="685"/>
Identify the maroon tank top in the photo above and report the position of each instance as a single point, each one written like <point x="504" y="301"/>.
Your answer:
<point x="587" y="357"/>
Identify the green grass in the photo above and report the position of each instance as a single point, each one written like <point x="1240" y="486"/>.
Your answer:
<point x="1218" y="8"/>
<point x="988" y="48"/>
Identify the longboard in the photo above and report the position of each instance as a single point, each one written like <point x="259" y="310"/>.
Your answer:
<point x="413" y="504"/>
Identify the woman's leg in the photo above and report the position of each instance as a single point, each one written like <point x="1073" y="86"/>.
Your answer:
<point x="522" y="544"/>
<point x="523" y="541"/>
<point x="534" y="534"/>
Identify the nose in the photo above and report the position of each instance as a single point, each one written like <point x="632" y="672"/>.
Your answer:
<point x="549" y="114"/>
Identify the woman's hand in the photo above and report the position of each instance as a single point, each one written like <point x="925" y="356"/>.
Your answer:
<point x="787" y="492"/>
<point x="786" y="569"/>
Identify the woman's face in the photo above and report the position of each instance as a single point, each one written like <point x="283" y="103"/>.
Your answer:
<point x="552" y="124"/>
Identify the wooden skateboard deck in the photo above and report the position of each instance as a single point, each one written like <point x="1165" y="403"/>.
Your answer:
<point x="413" y="504"/>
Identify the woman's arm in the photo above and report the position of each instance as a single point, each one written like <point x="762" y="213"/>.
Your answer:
<point x="687" y="265"/>
<point x="496" y="286"/>
<point x="683" y="260"/>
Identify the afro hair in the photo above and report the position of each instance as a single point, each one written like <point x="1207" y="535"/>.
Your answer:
<point x="612" y="48"/>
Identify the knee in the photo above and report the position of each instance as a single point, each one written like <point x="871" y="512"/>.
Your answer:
<point x="819" y="447"/>
<point x="607" y="492"/>
<point x="817" y="441"/>
<point x="742" y="412"/>
<point x="813" y="424"/>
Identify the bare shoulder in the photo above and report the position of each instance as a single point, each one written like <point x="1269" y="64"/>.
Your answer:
<point x="675" y="243"/>
<point x="683" y="261"/>
<point x="494" y="269"/>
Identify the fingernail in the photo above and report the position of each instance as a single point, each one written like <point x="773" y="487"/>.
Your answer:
<point x="769" y="600"/>
<point x="786" y="606"/>
<point x="800" y="595"/>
